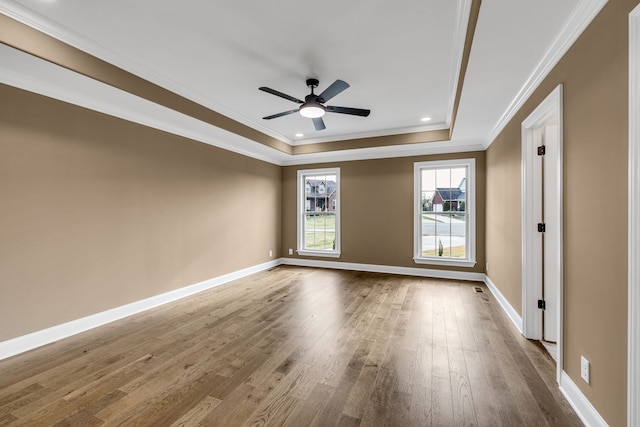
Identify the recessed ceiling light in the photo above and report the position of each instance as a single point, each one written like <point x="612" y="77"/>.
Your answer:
<point x="299" y="135"/>
<point x="425" y="119"/>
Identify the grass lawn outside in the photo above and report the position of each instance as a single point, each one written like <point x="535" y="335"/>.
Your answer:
<point x="320" y="231"/>
<point x="456" y="252"/>
<point x="320" y="221"/>
<point x="320" y="240"/>
<point x="430" y="218"/>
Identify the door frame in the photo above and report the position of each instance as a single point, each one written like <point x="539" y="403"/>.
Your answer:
<point x="633" y="357"/>
<point x="549" y="110"/>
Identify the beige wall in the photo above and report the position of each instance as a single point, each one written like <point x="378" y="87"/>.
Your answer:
<point x="377" y="210"/>
<point x="97" y="212"/>
<point x="594" y="73"/>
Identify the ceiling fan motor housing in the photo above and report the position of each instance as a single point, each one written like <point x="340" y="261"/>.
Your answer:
<point x="313" y="83"/>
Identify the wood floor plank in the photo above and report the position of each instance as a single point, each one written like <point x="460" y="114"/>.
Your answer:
<point x="308" y="409"/>
<point x="333" y="410"/>
<point x="245" y="405"/>
<point x="483" y="394"/>
<point x="295" y="346"/>
<point x="238" y="397"/>
<point x="441" y="401"/>
<point x="7" y="419"/>
<point x="279" y="404"/>
<point x="421" y="404"/>
<point x="197" y="413"/>
<point x="362" y="389"/>
<point x="464" y="407"/>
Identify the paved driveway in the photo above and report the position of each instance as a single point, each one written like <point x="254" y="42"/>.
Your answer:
<point x="443" y="228"/>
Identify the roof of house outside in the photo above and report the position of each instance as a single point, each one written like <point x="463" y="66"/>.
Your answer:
<point x="451" y="194"/>
<point x="315" y="184"/>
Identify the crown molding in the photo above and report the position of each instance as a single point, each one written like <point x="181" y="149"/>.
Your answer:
<point x="385" y="152"/>
<point x="459" y="41"/>
<point x="581" y="17"/>
<point x="375" y="133"/>
<point x="38" y="76"/>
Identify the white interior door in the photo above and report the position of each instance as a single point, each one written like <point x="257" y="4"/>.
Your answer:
<point x="551" y="257"/>
<point x="542" y="203"/>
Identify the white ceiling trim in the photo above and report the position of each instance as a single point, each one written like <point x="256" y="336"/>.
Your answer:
<point x="386" y="132"/>
<point x="462" y="23"/>
<point x="44" y="25"/>
<point x="386" y="152"/>
<point x="38" y="76"/>
<point x="581" y="17"/>
<point x="59" y="83"/>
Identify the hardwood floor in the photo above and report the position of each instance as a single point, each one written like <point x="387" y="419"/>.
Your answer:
<point x="296" y="347"/>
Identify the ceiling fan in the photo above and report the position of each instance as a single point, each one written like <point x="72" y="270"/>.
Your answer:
<point x="313" y="105"/>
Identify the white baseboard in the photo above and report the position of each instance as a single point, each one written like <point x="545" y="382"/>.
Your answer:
<point x="585" y="410"/>
<point x="46" y="336"/>
<point x="373" y="268"/>
<point x="36" y="339"/>
<point x="587" y="413"/>
<point x="506" y="306"/>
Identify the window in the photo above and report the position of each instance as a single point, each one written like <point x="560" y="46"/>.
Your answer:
<point x="444" y="206"/>
<point x="319" y="212"/>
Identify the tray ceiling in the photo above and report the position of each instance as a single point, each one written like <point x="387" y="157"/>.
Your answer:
<point x="404" y="60"/>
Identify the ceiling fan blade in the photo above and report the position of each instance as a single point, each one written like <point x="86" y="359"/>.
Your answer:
<point x="346" y="110"/>
<point x="284" y="113"/>
<point x="319" y="123"/>
<point x="280" y="94"/>
<point x="335" y="88"/>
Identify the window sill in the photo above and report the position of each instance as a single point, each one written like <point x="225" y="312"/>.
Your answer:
<point x="318" y="253"/>
<point x="452" y="262"/>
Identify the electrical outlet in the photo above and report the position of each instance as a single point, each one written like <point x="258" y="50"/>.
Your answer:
<point x="290" y="251"/>
<point x="270" y="254"/>
<point x="584" y="369"/>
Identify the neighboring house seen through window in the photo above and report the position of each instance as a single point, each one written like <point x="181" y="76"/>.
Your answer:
<point x="444" y="206"/>
<point x="319" y="212"/>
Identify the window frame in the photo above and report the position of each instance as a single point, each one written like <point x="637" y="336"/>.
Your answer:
<point x="470" y="208"/>
<point x="301" y="210"/>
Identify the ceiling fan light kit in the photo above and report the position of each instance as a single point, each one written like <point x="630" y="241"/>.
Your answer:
<point x="312" y="110"/>
<point x="313" y="105"/>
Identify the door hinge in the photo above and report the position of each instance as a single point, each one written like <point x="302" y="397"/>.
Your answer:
<point x="542" y="150"/>
<point x="542" y="304"/>
<point x="541" y="227"/>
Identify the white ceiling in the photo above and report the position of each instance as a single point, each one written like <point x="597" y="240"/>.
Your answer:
<point x="401" y="58"/>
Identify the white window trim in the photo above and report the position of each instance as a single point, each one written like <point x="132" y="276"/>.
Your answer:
<point x="301" y="210"/>
<point x="470" y="207"/>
